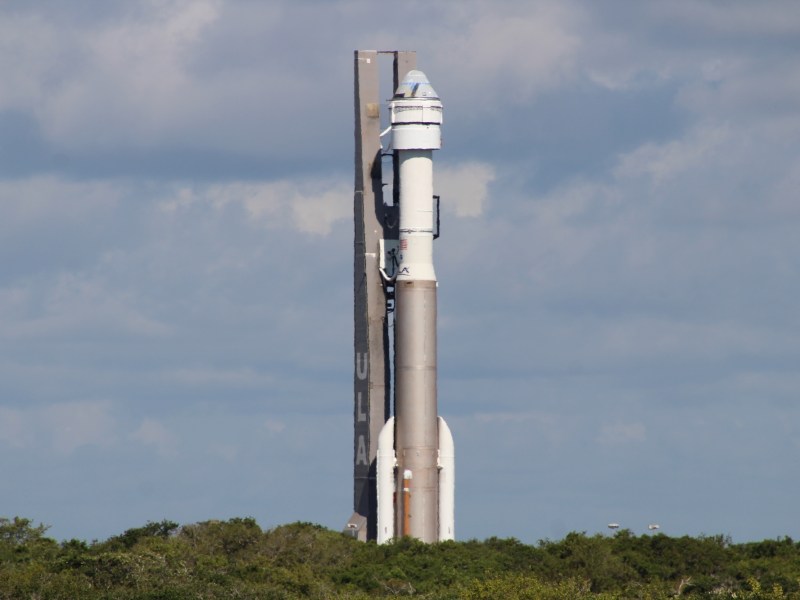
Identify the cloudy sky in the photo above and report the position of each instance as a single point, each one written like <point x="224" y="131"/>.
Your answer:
<point x="619" y="323"/>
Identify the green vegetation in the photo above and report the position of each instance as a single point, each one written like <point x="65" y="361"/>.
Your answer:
<point x="236" y="559"/>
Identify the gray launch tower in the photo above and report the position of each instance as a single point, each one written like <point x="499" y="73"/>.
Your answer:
<point x="403" y="464"/>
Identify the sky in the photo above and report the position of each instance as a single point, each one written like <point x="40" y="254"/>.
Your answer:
<point x="619" y="331"/>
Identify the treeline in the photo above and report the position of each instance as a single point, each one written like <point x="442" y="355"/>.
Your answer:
<point x="237" y="559"/>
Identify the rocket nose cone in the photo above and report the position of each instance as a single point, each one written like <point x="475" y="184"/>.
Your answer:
<point x="415" y="85"/>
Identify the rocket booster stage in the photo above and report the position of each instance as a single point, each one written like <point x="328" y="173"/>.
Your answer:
<point x="415" y="457"/>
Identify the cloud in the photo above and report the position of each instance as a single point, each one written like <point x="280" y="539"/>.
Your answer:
<point x="665" y="161"/>
<point x="274" y="426"/>
<point x="63" y="427"/>
<point x="622" y="433"/>
<point x="146" y="72"/>
<point x="152" y="432"/>
<point x="306" y="205"/>
<point x="783" y="192"/>
<point x="316" y="211"/>
<point x="133" y="71"/>
<point x="464" y="187"/>
<point x="75" y="424"/>
<point x="243" y="377"/>
<point x="516" y="54"/>
<point x="490" y="54"/>
<point x="78" y="304"/>
<point x="13" y="428"/>
<point x="196" y="79"/>
<point x="524" y="425"/>
<point x="227" y="452"/>
<point x="29" y="54"/>
<point x="725" y="63"/>
<point x="738" y="17"/>
<point x="49" y="199"/>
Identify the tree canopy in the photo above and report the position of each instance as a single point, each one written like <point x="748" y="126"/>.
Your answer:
<point x="237" y="559"/>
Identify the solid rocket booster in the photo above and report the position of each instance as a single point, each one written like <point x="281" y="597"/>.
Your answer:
<point x="415" y="448"/>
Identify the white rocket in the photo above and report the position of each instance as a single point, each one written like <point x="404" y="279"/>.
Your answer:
<point x="415" y="464"/>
